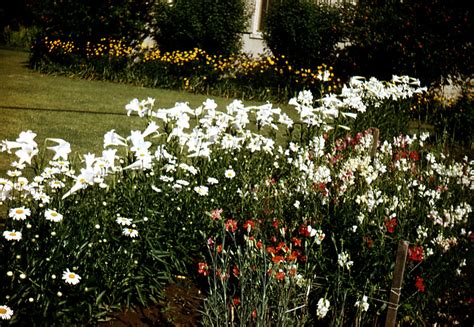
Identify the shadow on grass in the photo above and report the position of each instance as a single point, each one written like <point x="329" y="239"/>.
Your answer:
<point x="63" y="110"/>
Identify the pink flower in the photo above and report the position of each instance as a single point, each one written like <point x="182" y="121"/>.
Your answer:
<point x="231" y="225"/>
<point x="216" y="214"/>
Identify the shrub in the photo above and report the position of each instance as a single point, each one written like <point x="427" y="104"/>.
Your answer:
<point x="21" y="38"/>
<point x="213" y="26"/>
<point x="89" y="21"/>
<point x="305" y="32"/>
<point x="425" y="39"/>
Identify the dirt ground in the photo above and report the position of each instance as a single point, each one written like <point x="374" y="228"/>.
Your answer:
<point x="180" y="308"/>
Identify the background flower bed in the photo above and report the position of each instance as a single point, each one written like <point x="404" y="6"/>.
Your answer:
<point x="300" y="220"/>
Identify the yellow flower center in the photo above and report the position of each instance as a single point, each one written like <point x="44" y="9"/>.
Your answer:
<point x="3" y="311"/>
<point x="54" y="214"/>
<point x="72" y="276"/>
<point x="12" y="233"/>
<point x="19" y="211"/>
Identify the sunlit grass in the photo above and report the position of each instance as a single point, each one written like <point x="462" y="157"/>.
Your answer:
<point x="62" y="107"/>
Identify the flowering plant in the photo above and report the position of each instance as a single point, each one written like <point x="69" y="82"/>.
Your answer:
<point x="300" y="223"/>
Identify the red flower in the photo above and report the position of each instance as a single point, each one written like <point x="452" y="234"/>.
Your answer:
<point x="271" y="250"/>
<point x="254" y="313"/>
<point x="231" y="225"/>
<point x="275" y="223"/>
<point x="391" y="224"/>
<point x="203" y="268"/>
<point x="296" y="241"/>
<point x="415" y="253"/>
<point x="414" y="155"/>
<point x="278" y="259"/>
<point x="282" y="246"/>
<point x="219" y="248"/>
<point x="304" y="230"/>
<point x="236" y="301"/>
<point x="419" y="284"/>
<point x="280" y="275"/>
<point x="293" y="256"/>
<point x="259" y="244"/>
<point x="236" y="271"/>
<point x="249" y="225"/>
<point x="369" y="241"/>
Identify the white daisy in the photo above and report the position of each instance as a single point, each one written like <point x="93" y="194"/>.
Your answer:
<point x="123" y="221"/>
<point x="5" y="312"/>
<point x="212" y="181"/>
<point x="53" y="215"/>
<point x="12" y="235"/>
<point x="201" y="190"/>
<point x="71" y="277"/>
<point x="130" y="232"/>
<point x="19" y="213"/>
<point x="229" y="173"/>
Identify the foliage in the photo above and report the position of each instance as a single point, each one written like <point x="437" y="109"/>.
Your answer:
<point x="287" y="210"/>
<point x="262" y="78"/>
<point x="451" y="118"/>
<point x="88" y="21"/>
<point x="304" y="31"/>
<point x="213" y="26"/>
<point x="426" y="39"/>
<point x="21" y="38"/>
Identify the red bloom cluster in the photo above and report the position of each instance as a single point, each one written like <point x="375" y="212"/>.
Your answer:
<point x="391" y="224"/>
<point x="249" y="225"/>
<point x="203" y="269"/>
<point x="412" y="155"/>
<point x="231" y="225"/>
<point x="415" y="253"/>
<point x="419" y="284"/>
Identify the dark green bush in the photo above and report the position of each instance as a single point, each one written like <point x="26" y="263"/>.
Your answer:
<point x="211" y="25"/>
<point x="427" y="39"/>
<point x="306" y="32"/>
<point x="89" y="20"/>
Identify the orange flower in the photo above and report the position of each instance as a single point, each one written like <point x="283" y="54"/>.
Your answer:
<point x="280" y="275"/>
<point x="278" y="259"/>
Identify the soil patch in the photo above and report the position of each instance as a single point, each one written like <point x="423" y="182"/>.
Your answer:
<point x="180" y="308"/>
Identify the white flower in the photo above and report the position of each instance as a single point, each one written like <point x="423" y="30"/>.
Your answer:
<point x="61" y="150"/>
<point x="70" y="277"/>
<point x="12" y="235"/>
<point x="343" y="260"/>
<point x="56" y="184"/>
<point x="5" y="312"/>
<point x="297" y="205"/>
<point x="123" y="221"/>
<point x="323" y="307"/>
<point x="53" y="215"/>
<point x="19" y="213"/>
<point x="229" y="173"/>
<point x="212" y="181"/>
<point x="201" y="190"/>
<point x="130" y="232"/>
<point x="312" y="232"/>
<point x="112" y="138"/>
<point x="363" y="303"/>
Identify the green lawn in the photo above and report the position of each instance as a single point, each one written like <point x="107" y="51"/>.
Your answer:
<point x="79" y="111"/>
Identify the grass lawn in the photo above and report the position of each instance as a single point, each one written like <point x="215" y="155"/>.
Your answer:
<point x="78" y="111"/>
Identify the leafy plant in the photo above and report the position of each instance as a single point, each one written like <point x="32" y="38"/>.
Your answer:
<point x="213" y="26"/>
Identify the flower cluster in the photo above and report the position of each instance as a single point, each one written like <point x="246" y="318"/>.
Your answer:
<point x="302" y="215"/>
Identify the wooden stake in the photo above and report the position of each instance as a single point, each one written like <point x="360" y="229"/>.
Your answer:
<point x="396" y="289"/>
